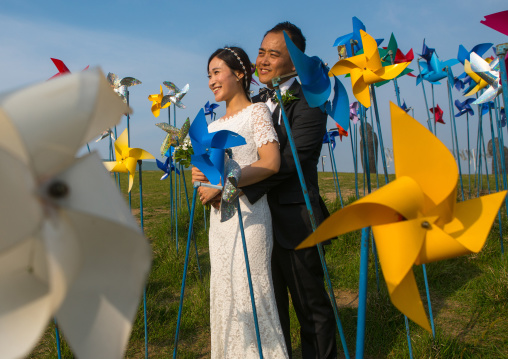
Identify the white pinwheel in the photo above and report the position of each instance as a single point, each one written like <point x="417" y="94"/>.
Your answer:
<point x="69" y="246"/>
<point x="174" y="95"/>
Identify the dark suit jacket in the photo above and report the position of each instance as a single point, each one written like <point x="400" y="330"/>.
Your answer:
<point x="290" y="219"/>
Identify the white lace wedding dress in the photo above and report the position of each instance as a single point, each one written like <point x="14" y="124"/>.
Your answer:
<point x="232" y="322"/>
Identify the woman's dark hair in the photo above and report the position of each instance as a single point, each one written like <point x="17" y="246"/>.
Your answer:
<point x="293" y="31"/>
<point x="237" y="60"/>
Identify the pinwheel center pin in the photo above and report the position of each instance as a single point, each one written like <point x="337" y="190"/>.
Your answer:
<point x="425" y="225"/>
<point x="58" y="189"/>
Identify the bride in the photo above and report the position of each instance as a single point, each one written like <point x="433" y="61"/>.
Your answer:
<point x="231" y="318"/>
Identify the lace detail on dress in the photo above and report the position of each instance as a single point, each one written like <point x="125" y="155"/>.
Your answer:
<point x="262" y="126"/>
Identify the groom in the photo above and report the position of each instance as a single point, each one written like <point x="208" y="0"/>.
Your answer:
<point x="300" y="271"/>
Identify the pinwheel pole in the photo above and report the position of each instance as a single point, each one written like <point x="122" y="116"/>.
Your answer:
<point x="57" y="335"/>
<point x="275" y="83"/>
<point x="249" y="279"/>
<point x="429" y="124"/>
<point x="468" y="150"/>
<point x="334" y="172"/>
<point x="354" y="144"/>
<point x="500" y="137"/>
<point x="140" y="173"/>
<point x="454" y="129"/>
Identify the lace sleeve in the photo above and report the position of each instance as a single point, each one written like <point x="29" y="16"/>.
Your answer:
<point x="262" y="126"/>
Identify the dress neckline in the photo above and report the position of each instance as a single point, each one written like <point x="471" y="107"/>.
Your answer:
<point x="224" y="119"/>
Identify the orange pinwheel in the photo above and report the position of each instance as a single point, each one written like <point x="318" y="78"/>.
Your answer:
<point x="366" y="69"/>
<point x="415" y="219"/>
<point x="157" y="103"/>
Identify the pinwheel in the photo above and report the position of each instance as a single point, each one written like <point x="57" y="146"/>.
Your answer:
<point x="366" y="69"/>
<point x="486" y="106"/>
<point x="353" y="112"/>
<point x="477" y="83"/>
<point x="62" y="69"/>
<point x="168" y="165"/>
<point x="353" y="41"/>
<point x="404" y="107"/>
<point x="106" y="133"/>
<point x="70" y="248"/>
<point x="464" y="107"/>
<point x="502" y="120"/>
<point x="175" y="136"/>
<point x="415" y="218"/>
<point x="174" y="95"/>
<point x="126" y="158"/>
<point x="329" y="137"/>
<point x="479" y="49"/>
<point x="435" y="70"/>
<point x="157" y="102"/>
<point x="487" y="73"/>
<point x="342" y="132"/>
<point x="438" y="114"/>
<point x="316" y="84"/>
<point x="230" y="190"/>
<point x="121" y="86"/>
<point x="497" y="21"/>
<point x="427" y="52"/>
<point x="209" y="148"/>
<point x="209" y="109"/>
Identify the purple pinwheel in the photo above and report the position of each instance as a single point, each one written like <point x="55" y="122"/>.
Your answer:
<point x="168" y="165"/>
<point x="353" y="112"/>
<point x="329" y="137"/>
<point x="405" y="108"/>
<point x="209" y="148"/>
<point x="209" y="109"/>
<point x="427" y="52"/>
<point x="464" y="107"/>
<point x="502" y="120"/>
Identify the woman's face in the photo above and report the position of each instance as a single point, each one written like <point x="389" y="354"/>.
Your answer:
<point x="223" y="82"/>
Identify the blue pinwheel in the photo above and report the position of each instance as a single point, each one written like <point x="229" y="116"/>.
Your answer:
<point x="479" y="49"/>
<point x="316" y="85"/>
<point x="486" y="106"/>
<point x="464" y="107"/>
<point x="329" y="137"/>
<point x="209" y="148"/>
<point x="209" y="109"/>
<point x="168" y="165"/>
<point x="435" y="70"/>
<point x="355" y="37"/>
<point x="404" y="107"/>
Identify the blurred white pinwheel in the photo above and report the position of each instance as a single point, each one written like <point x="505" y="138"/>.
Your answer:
<point x="106" y="133"/>
<point x="69" y="247"/>
<point x="490" y="74"/>
<point x="174" y="95"/>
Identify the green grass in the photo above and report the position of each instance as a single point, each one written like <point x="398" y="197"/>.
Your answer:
<point x="469" y="294"/>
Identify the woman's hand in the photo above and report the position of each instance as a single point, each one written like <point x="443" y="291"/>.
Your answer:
<point x="207" y="194"/>
<point x="198" y="176"/>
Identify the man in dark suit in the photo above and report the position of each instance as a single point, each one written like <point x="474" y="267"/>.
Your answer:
<point x="299" y="271"/>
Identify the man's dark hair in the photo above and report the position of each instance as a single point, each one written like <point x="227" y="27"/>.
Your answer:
<point x="293" y="31"/>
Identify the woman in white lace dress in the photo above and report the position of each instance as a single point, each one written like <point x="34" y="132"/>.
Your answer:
<point x="232" y="322"/>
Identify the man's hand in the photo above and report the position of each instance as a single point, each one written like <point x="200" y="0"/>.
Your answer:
<point x="198" y="176"/>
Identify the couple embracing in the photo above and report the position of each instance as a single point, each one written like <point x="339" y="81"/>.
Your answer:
<point x="275" y="217"/>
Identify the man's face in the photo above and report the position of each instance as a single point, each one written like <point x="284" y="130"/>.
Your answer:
<point x="273" y="58"/>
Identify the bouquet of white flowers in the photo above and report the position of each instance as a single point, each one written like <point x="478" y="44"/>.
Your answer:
<point x="183" y="153"/>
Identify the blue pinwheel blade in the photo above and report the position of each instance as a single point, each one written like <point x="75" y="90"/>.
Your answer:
<point x="463" y="54"/>
<point x="312" y="73"/>
<point x="203" y="163"/>
<point x="339" y="107"/>
<point x="226" y="139"/>
<point x="217" y="159"/>
<point x="161" y="165"/>
<point x="481" y="49"/>
<point x="198" y="128"/>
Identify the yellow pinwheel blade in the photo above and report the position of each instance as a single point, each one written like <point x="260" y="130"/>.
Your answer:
<point x="421" y="156"/>
<point x="360" y="88"/>
<point x="156" y="109"/>
<point x="140" y="154"/>
<point x="131" y="163"/>
<point x="400" y="197"/>
<point x="371" y="52"/>
<point x="480" y="83"/>
<point x="345" y="66"/>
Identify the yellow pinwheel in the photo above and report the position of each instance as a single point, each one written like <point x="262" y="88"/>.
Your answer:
<point x="126" y="158"/>
<point x="480" y="83"/>
<point x="157" y="103"/>
<point x="366" y="69"/>
<point x="415" y="219"/>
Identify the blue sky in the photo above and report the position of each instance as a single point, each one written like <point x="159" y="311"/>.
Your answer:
<point x="158" y="41"/>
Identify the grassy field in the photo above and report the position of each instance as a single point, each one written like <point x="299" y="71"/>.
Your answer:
<point x="469" y="295"/>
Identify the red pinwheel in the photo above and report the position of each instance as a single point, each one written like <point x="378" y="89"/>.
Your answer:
<point x="342" y="132"/>
<point x="497" y="21"/>
<point x="62" y="69"/>
<point x="438" y="114"/>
